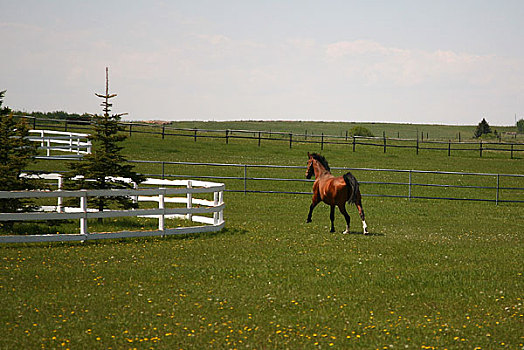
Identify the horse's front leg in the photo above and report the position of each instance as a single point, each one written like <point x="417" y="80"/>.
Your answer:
<point x="311" y="207"/>
<point x="332" y="218"/>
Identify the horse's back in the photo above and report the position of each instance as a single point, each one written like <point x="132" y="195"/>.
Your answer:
<point x="333" y="191"/>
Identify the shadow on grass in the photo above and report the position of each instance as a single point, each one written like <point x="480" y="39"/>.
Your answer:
<point x="131" y="240"/>
<point x="370" y="234"/>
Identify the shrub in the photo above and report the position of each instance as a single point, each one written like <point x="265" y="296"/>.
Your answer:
<point x="360" y="131"/>
<point x="520" y="126"/>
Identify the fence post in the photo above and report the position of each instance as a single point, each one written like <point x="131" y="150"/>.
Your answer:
<point x="163" y="169"/>
<point x="48" y="147"/>
<point x="511" y="151"/>
<point x="245" y="179"/>
<point x="195" y="135"/>
<point x="189" y="199"/>
<point x="409" y="191"/>
<point x="65" y="125"/>
<point x="83" y="209"/>
<point x="78" y="145"/>
<point x="59" y="200"/>
<point x="227" y="137"/>
<point x="417" y="143"/>
<point x="163" y="131"/>
<point x="384" y="135"/>
<point x="135" y="198"/>
<point x="215" y="203"/>
<point x="130" y="129"/>
<point x="162" y="207"/>
<point x="322" y="142"/>
<point x="259" y="139"/>
<point x="498" y="188"/>
<point x="71" y="143"/>
<point x="353" y="143"/>
<point x="290" y="140"/>
<point x="480" y="148"/>
<point x="449" y="148"/>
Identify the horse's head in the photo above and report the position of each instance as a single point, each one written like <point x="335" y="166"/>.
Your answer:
<point x="310" y="171"/>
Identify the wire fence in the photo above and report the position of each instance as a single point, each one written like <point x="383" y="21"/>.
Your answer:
<point x="513" y="149"/>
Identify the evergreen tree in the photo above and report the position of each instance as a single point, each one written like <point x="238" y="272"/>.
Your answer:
<point x="482" y="129"/>
<point x="16" y="152"/>
<point x="96" y="170"/>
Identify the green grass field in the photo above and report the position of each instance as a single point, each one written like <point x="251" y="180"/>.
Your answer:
<point x="432" y="274"/>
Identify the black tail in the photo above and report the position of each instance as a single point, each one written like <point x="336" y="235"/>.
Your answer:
<point x="352" y="184"/>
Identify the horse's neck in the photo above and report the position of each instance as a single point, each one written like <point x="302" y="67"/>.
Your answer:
<point x="321" y="171"/>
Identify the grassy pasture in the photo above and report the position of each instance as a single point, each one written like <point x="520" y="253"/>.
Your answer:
<point x="433" y="274"/>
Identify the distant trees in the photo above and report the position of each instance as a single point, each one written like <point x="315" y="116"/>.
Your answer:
<point x="16" y="152"/>
<point x="483" y="128"/>
<point x="98" y="169"/>
<point x="57" y="115"/>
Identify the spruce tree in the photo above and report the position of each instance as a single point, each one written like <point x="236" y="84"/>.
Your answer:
<point x="16" y="153"/>
<point x="96" y="170"/>
<point x="482" y="128"/>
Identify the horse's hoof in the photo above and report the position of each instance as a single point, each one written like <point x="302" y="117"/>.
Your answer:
<point x="308" y="221"/>
<point x="366" y="232"/>
<point x="345" y="232"/>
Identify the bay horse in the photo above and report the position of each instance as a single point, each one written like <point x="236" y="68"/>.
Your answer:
<point x="334" y="191"/>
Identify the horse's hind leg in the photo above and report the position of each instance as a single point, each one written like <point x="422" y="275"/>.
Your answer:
<point x="344" y="212"/>
<point x="332" y="218"/>
<point x="361" y="213"/>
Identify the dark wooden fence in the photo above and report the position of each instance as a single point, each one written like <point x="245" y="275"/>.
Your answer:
<point x="289" y="139"/>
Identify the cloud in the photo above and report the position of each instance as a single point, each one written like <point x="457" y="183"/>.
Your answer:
<point x="374" y="63"/>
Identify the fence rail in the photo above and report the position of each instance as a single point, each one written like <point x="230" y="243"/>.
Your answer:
<point x="71" y="142"/>
<point x="384" y="143"/>
<point x="195" y="209"/>
<point x="489" y="183"/>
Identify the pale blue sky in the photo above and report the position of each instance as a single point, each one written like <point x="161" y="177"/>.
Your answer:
<point x="451" y="62"/>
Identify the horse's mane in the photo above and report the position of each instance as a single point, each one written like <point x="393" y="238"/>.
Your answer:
<point x="321" y="160"/>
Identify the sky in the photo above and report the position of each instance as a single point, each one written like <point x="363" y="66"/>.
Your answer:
<point x="410" y="61"/>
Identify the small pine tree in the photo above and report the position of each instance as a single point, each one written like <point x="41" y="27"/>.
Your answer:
<point x="16" y="153"/>
<point x="482" y="129"/>
<point x="96" y="170"/>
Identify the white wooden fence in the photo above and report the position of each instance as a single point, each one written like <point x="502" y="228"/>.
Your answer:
<point x="71" y="142"/>
<point x="171" y="192"/>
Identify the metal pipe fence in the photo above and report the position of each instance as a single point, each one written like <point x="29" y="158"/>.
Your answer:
<point x="483" y="187"/>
